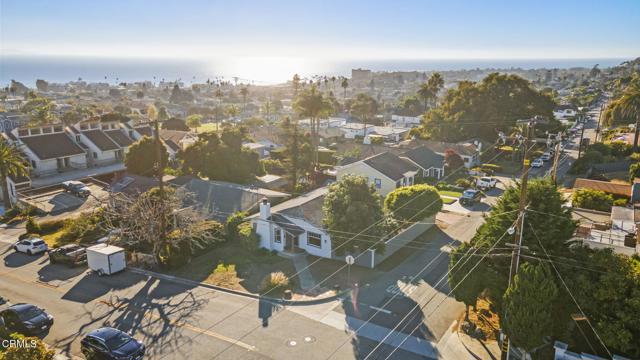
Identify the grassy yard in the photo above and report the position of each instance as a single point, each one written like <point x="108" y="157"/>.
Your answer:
<point x="232" y="266"/>
<point x="52" y="238"/>
<point x="206" y="128"/>
<point x="447" y="200"/>
<point x="455" y="194"/>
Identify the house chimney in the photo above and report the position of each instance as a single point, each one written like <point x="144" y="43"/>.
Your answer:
<point x="265" y="209"/>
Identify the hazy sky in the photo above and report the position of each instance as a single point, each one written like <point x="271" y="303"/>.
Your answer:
<point x="375" y="29"/>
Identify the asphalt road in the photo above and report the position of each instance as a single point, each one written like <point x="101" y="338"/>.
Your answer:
<point x="173" y="320"/>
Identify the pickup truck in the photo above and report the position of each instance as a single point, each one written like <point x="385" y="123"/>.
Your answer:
<point x="71" y="254"/>
<point x="486" y="182"/>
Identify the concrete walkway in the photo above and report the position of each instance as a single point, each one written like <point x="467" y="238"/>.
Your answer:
<point x="302" y="269"/>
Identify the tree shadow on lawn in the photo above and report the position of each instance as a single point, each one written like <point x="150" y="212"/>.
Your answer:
<point x="251" y="267"/>
<point x="152" y="315"/>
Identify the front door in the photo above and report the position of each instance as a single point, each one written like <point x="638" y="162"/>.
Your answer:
<point x="291" y="241"/>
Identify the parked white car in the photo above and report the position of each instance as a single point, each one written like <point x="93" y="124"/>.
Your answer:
<point x="546" y="156"/>
<point x="537" y="163"/>
<point x="486" y="182"/>
<point x="31" y="246"/>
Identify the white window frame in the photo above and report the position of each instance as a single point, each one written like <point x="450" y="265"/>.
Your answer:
<point x="277" y="235"/>
<point x="319" y="236"/>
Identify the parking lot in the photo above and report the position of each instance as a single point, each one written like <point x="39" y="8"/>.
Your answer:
<point x="53" y="200"/>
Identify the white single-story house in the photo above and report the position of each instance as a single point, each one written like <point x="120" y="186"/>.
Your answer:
<point x="385" y="171"/>
<point x="468" y="151"/>
<point x="353" y="130"/>
<point x="405" y="121"/>
<point x="294" y="225"/>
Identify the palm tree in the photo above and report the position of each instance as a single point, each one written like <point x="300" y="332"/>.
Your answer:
<point x="345" y="85"/>
<point x="629" y="106"/>
<point x="244" y="92"/>
<point x="219" y="95"/>
<point x="11" y="164"/>
<point x="296" y="84"/>
<point x="429" y="90"/>
<point x="364" y="107"/>
<point x="312" y="104"/>
<point x="232" y="111"/>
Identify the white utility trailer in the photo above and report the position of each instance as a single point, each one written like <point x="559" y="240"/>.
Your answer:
<point x="106" y="259"/>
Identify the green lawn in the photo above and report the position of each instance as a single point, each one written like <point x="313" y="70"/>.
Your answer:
<point x="206" y="128"/>
<point x="455" y="194"/>
<point x="245" y="273"/>
<point x="447" y="200"/>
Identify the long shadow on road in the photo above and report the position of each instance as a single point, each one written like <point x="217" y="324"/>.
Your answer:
<point x="152" y="314"/>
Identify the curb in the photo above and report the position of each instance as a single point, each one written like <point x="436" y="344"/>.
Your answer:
<point x="238" y="292"/>
<point x="466" y="348"/>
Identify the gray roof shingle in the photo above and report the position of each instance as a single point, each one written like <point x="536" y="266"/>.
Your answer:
<point x="52" y="146"/>
<point x="390" y="165"/>
<point x="101" y="140"/>
<point x="424" y="157"/>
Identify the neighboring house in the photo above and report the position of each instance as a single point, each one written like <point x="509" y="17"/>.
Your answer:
<point x="563" y="112"/>
<point x="294" y="225"/>
<point x="468" y="151"/>
<point x="405" y="121"/>
<point x="619" y="233"/>
<point x="332" y="122"/>
<point x="353" y="130"/>
<point x="48" y="148"/>
<point x="101" y="148"/>
<point x="430" y="163"/>
<point x="261" y="149"/>
<point x="562" y="352"/>
<point x="385" y="171"/>
<point x="176" y="140"/>
<point x="11" y="120"/>
<point x="387" y="133"/>
<point x="218" y="199"/>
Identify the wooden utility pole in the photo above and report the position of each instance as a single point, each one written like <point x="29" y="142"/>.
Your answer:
<point x="580" y="142"/>
<point x="599" y="120"/>
<point x="556" y="159"/>
<point x="517" y="241"/>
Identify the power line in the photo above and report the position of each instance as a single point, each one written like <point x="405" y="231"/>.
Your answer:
<point x="435" y="293"/>
<point x="570" y="293"/>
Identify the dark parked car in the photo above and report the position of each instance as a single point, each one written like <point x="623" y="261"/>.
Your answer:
<point x="71" y="254"/>
<point x="76" y="188"/>
<point x="26" y="319"/>
<point x="470" y="197"/>
<point x="111" y="344"/>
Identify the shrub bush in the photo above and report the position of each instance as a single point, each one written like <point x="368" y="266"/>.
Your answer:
<point x="620" y="202"/>
<point x="272" y="166"/>
<point x="233" y="222"/>
<point x="634" y="171"/>
<point x="465" y="183"/>
<point x="620" y="149"/>
<point x="47" y="227"/>
<point x="206" y="235"/>
<point x="592" y="199"/>
<point x="248" y="237"/>
<point x="83" y="229"/>
<point x="274" y="282"/>
<point x="491" y="167"/>
<point x="32" y="226"/>
<point x="413" y="203"/>
<point x="583" y="164"/>
<point x="224" y="275"/>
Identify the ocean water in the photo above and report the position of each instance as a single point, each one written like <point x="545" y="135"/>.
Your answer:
<point x="257" y="70"/>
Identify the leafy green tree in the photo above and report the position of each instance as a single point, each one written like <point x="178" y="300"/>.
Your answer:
<point x="39" y="109"/>
<point x="413" y="203"/>
<point x="42" y="85"/>
<point x="36" y="349"/>
<point x="545" y="211"/>
<point x="499" y="99"/>
<point x="175" y="124"/>
<point x="352" y="206"/>
<point x="592" y="199"/>
<point x="298" y="152"/>
<point x="634" y="171"/>
<point x="528" y="319"/>
<point x="141" y="157"/>
<point x="466" y="284"/>
<point x="162" y="114"/>
<point x="609" y="295"/>
<point x="221" y="157"/>
<point x="409" y="106"/>
<point x="11" y="164"/>
<point x="233" y="223"/>
<point x="194" y="121"/>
